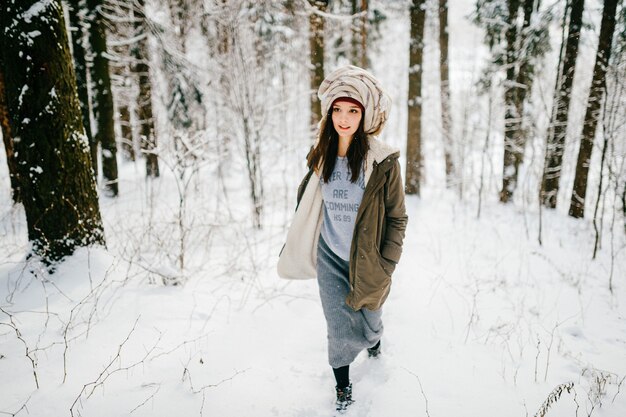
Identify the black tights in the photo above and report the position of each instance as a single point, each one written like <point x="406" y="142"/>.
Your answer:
<point x="342" y="376"/>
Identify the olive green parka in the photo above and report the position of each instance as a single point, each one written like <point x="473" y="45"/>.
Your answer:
<point x="378" y="231"/>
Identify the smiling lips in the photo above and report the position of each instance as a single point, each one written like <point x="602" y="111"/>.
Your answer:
<point x="344" y="128"/>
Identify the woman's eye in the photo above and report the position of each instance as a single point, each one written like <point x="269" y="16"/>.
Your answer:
<point x="353" y="111"/>
<point x="335" y="109"/>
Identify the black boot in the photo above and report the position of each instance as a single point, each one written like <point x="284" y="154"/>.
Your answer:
<point x="344" y="398"/>
<point x="374" y="351"/>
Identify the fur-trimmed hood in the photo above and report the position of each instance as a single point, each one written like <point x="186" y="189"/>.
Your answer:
<point x="378" y="152"/>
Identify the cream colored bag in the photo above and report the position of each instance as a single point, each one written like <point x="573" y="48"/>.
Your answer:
<point x="298" y="259"/>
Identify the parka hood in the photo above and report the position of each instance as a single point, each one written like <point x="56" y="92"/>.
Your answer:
<point x="378" y="152"/>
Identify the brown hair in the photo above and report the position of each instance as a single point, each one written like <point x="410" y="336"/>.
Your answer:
<point x="324" y="154"/>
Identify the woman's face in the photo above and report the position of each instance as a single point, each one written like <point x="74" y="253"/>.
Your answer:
<point x="346" y="118"/>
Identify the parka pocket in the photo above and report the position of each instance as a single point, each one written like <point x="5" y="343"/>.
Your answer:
<point x="387" y="266"/>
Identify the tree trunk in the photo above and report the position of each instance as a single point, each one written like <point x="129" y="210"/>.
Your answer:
<point x="359" y="34"/>
<point x="355" y="45"/>
<point x="524" y="84"/>
<point x="144" y="97"/>
<point x="316" y="39"/>
<point x="517" y="84"/>
<point x="56" y="181"/>
<point x="7" y="138"/>
<point x="76" y="11"/>
<point x="444" y="73"/>
<point x="364" y="20"/>
<point x="624" y="205"/>
<point x="596" y="93"/>
<point x="103" y="97"/>
<point x="252" y="143"/>
<point x="126" y="131"/>
<point x="414" y="131"/>
<point x="511" y="132"/>
<point x="556" y="136"/>
<point x="122" y="79"/>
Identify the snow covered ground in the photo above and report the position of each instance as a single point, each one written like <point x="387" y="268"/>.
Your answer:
<point x="482" y="320"/>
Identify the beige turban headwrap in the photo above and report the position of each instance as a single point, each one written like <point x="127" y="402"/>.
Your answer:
<point x="356" y="83"/>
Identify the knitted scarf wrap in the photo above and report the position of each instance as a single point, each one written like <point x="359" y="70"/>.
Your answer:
<point x="356" y="83"/>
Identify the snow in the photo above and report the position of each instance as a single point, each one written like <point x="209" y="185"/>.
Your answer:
<point x="36" y="9"/>
<point x="30" y="37"/>
<point x="483" y="319"/>
<point x="474" y="320"/>
<point x="22" y="93"/>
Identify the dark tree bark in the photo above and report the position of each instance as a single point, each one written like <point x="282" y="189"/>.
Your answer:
<point x="510" y="112"/>
<point x="76" y="9"/>
<point x="517" y="84"/>
<point x="524" y="79"/>
<point x="122" y="79"/>
<point x="596" y="93"/>
<point x="624" y="205"/>
<point x="364" y="27"/>
<point x="144" y="97"/>
<point x="355" y="44"/>
<point x="185" y="108"/>
<point x="414" y="131"/>
<point x="359" y="34"/>
<point x="444" y="74"/>
<point x="128" y="149"/>
<point x="316" y="39"/>
<point x="7" y="138"/>
<point x="103" y="97"/>
<point x="58" y="189"/>
<point x="556" y="134"/>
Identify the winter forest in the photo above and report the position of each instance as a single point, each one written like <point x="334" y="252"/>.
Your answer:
<point x="152" y="155"/>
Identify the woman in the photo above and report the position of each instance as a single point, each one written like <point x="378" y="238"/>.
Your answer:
<point x="350" y="220"/>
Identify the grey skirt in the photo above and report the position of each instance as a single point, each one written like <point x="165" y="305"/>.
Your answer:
<point x="349" y="331"/>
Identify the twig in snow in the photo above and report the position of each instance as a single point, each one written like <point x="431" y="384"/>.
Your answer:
<point x="23" y="407"/>
<point x="186" y="342"/>
<point x="202" y="389"/>
<point x="601" y="376"/>
<point x="92" y="293"/>
<point x="28" y="351"/>
<point x="545" y="375"/>
<point x="147" y="399"/>
<point x="106" y="372"/>
<point x="553" y="397"/>
<point x="597" y="389"/>
<point x="537" y="357"/>
<point x="218" y="302"/>
<point x="619" y="385"/>
<point x="421" y="389"/>
<point x="473" y="316"/>
<point x="202" y="405"/>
